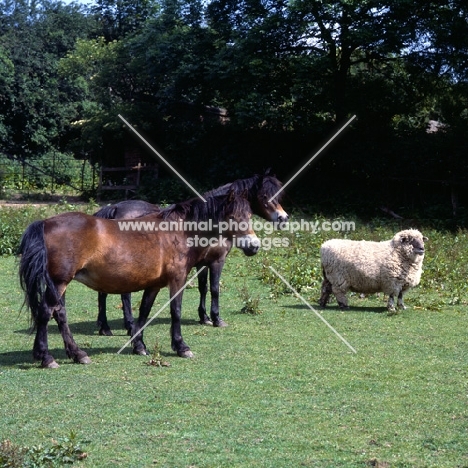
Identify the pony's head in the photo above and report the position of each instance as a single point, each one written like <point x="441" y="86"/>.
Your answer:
<point x="237" y="223"/>
<point x="267" y="201"/>
<point x="263" y="191"/>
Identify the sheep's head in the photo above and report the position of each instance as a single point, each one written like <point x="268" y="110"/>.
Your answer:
<point x="411" y="242"/>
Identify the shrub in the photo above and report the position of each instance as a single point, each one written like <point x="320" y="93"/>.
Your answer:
<point x="13" y="221"/>
<point x="66" y="450"/>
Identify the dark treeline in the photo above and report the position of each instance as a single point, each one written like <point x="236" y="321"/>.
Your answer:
<point x="226" y="88"/>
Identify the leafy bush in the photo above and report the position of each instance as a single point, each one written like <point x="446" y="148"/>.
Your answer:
<point x="13" y="221"/>
<point x="66" y="450"/>
<point x="251" y="302"/>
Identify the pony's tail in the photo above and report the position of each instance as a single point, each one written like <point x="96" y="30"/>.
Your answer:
<point x="33" y="273"/>
<point x="106" y="212"/>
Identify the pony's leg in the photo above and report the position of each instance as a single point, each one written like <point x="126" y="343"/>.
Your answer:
<point x="203" y="290"/>
<point x="215" y="276"/>
<point x="147" y="302"/>
<point x="41" y="346"/>
<point x="127" y="312"/>
<point x="177" y="342"/>
<point x="71" y="348"/>
<point x="104" y="328"/>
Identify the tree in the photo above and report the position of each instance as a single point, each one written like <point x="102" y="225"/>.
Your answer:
<point x="119" y="18"/>
<point x="35" y="106"/>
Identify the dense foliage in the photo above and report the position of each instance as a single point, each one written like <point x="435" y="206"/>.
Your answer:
<point x="226" y="88"/>
<point x="14" y="220"/>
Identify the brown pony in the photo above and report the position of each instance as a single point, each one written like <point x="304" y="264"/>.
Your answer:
<point x="259" y="189"/>
<point x="103" y="256"/>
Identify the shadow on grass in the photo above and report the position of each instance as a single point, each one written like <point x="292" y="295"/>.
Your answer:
<point x="24" y="360"/>
<point x="90" y="327"/>
<point x="375" y="310"/>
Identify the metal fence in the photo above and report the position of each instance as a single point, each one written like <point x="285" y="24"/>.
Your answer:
<point x="51" y="173"/>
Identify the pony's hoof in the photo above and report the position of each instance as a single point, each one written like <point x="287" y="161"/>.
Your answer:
<point x="103" y="332"/>
<point x="186" y="354"/>
<point x="141" y="352"/>
<point x="207" y="322"/>
<point x="51" y="365"/>
<point x="220" y="323"/>
<point x="84" y="360"/>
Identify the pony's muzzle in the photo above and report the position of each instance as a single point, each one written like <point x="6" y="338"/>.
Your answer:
<point x="249" y="244"/>
<point x="282" y="220"/>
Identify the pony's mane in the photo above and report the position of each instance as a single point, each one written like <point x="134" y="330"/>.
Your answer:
<point x="216" y="208"/>
<point x="255" y="187"/>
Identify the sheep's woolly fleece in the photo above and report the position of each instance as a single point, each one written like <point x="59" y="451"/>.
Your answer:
<point x="391" y="267"/>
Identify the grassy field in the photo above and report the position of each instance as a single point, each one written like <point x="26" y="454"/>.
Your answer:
<point x="274" y="389"/>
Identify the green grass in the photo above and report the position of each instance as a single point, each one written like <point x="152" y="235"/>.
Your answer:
<point x="275" y="389"/>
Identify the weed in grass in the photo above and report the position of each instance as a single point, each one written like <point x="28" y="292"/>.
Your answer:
<point x="251" y="302"/>
<point x="11" y="455"/>
<point x="156" y="358"/>
<point x="379" y="464"/>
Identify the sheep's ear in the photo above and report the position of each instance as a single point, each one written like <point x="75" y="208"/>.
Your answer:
<point x="425" y="239"/>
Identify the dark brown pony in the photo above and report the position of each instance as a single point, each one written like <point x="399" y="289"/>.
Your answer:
<point x="259" y="190"/>
<point x="107" y="258"/>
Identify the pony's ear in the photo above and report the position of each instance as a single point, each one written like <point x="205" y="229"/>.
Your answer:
<point x="231" y="196"/>
<point x="269" y="172"/>
<point x="245" y="194"/>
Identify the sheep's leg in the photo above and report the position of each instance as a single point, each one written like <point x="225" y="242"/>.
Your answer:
<point x="391" y="304"/>
<point x="326" y="291"/>
<point x="341" y="298"/>
<point x="400" y="303"/>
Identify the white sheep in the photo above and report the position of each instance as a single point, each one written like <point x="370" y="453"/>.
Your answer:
<point x="391" y="267"/>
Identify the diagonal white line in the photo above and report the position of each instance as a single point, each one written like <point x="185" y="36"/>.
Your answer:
<point x="162" y="308"/>
<point x="160" y="157"/>
<point x="313" y="310"/>
<point x="312" y="158"/>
